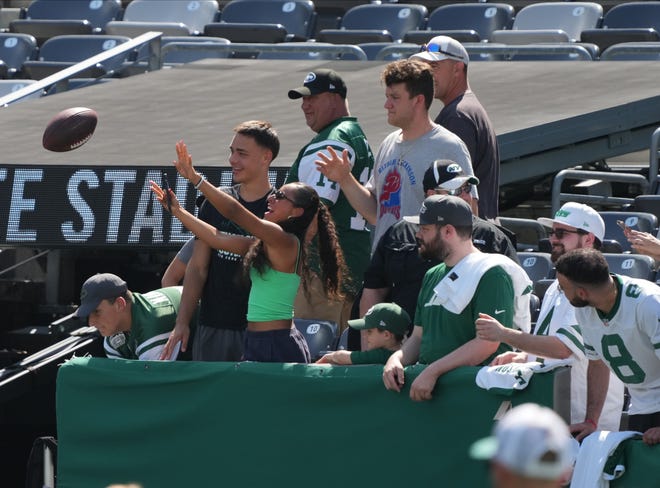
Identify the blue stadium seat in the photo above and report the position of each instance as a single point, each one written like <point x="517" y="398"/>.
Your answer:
<point x="245" y="32"/>
<point x="551" y="22"/>
<point x="376" y="23"/>
<point x="645" y="222"/>
<point x="296" y="16"/>
<point x="633" y="265"/>
<point x="10" y="86"/>
<point x="321" y="335"/>
<point x="537" y="265"/>
<point x="528" y="232"/>
<point x="465" y="22"/>
<point x="627" y="22"/>
<point x="60" y="52"/>
<point x="15" y="49"/>
<point x="49" y="18"/>
<point x="171" y="17"/>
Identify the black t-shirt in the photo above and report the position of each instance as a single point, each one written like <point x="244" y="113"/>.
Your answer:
<point x="225" y="295"/>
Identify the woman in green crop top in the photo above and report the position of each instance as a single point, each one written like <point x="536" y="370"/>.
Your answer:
<point x="275" y="257"/>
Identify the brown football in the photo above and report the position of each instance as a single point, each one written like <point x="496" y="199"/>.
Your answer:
<point x="70" y="129"/>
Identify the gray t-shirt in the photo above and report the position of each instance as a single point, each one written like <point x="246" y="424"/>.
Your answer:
<point x="399" y="170"/>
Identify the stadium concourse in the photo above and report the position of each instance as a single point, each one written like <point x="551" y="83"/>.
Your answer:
<point x="548" y="116"/>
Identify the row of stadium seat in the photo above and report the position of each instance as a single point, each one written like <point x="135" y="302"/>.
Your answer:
<point x="280" y="20"/>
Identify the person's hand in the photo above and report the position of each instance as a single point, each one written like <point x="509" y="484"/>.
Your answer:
<point x="582" y="430"/>
<point x="393" y="375"/>
<point x="333" y="166"/>
<point x="173" y="204"/>
<point x="488" y="328"/>
<point x="421" y="389"/>
<point x="644" y="243"/>
<point x="509" y="357"/>
<point x="336" y="357"/>
<point x="652" y="436"/>
<point x="183" y="164"/>
<point x="181" y="332"/>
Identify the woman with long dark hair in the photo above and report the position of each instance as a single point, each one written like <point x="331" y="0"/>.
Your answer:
<point x="275" y="257"/>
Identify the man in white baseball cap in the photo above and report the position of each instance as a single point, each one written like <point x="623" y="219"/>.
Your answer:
<point x="574" y="218"/>
<point x="531" y="447"/>
<point x="463" y="114"/>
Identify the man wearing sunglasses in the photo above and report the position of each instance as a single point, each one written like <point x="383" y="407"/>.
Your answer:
<point x="396" y="269"/>
<point x="325" y="107"/>
<point x="464" y="115"/>
<point x="557" y="333"/>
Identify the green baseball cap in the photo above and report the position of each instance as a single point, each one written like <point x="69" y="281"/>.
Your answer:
<point x="384" y="316"/>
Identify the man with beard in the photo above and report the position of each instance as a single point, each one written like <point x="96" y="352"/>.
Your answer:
<point x="620" y="321"/>
<point x="557" y="333"/>
<point x="466" y="285"/>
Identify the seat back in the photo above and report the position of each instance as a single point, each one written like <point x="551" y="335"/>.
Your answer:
<point x="648" y="204"/>
<point x="15" y="49"/>
<point x="571" y="17"/>
<point x="633" y="265"/>
<point x="483" y="18"/>
<point x="397" y="18"/>
<point x="528" y="232"/>
<point x="633" y="14"/>
<point x="188" y="55"/>
<point x="96" y="12"/>
<point x="309" y="53"/>
<point x="10" y="86"/>
<point x="645" y="222"/>
<point x="194" y="14"/>
<point x="537" y="265"/>
<point x="77" y="48"/>
<point x="297" y="16"/>
<point x="321" y="335"/>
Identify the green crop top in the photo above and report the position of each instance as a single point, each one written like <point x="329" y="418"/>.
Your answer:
<point x="272" y="294"/>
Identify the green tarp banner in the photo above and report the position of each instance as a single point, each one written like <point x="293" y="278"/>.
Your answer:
<point x="191" y="424"/>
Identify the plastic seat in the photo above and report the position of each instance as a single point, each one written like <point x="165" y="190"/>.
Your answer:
<point x="645" y="222"/>
<point x="10" y="86"/>
<point x="626" y="22"/>
<point x="633" y="51"/>
<point x="528" y="232"/>
<point x="547" y="18"/>
<point x="648" y="204"/>
<point x="376" y="23"/>
<point x="15" y="50"/>
<point x="465" y="22"/>
<point x="321" y="335"/>
<point x="296" y="16"/>
<point x="60" y="52"/>
<point x="245" y="32"/>
<point x="49" y="18"/>
<point x="537" y="265"/>
<point x="171" y="17"/>
<point x="633" y="265"/>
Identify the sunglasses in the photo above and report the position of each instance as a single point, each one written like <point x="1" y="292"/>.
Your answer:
<point x="280" y="195"/>
<point x="467" y="188"/>
<point x="560" y="233"/>
<point x="434" y="47"/>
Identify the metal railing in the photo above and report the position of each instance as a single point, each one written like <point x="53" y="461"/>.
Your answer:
<point x="61" y="77"/>
<point x="241" y="47"/>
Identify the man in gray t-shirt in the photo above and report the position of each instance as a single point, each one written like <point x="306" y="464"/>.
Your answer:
<point x="395" y="188"/>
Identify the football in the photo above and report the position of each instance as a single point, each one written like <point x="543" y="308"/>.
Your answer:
<point x="70" y="129"/>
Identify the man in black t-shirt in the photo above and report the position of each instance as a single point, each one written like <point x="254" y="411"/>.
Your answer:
<point x="215" y="276"/>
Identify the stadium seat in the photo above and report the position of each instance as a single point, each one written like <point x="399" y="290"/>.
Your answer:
<point x="238" y="32"/>
<point x="528" y="232"/>
<point x="537" y="265"/>
<point x="633" y="265"/>
<point x="541" y="286"/>
<point x="60" y="52"/>
<point x="648" y="204"/>
<point x="550" y="21"/>
<point x="321" y="335"/>
<point x="376" y="23"/>
<point x="296" y="16"/>
<point x="10" y="86"/>
<point x="465" y="22"/>
<point x="171" y="17"/>
<point x="49" y="18"/>
<point x="342" y="342"/>
<point x="534" y="308"/>
<point x="626" y="22"/>
<point x="16" y="49"/>
<point x="642" y="221"/>
<point x="632" y="51"/>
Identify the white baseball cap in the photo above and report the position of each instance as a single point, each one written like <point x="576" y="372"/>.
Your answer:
<point x="532" y="441"/>
<point x="579" y="216"/>
<point x="443" y="47"/>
